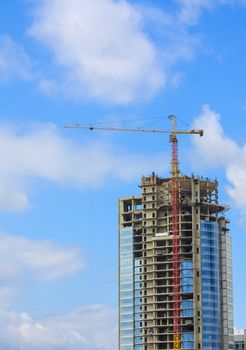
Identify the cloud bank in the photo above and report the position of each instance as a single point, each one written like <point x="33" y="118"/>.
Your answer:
<point x="41" y="152"/>
<point x="88" y="328"/>
<point x="46" y="260"/>
<point x="117" y="54"/>
<point x="102" y="47"/>
<point x="14" y="62"/>
<point x="215" y="149"/>
<point x="190" y="11"/>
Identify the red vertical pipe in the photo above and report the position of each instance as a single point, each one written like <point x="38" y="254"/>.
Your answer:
<point x="175" y="242"/>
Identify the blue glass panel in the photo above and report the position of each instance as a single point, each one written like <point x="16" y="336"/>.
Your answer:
<point x="126" y="278"/>
<point x="126" y="309"/>
<point x="138" y="278"/>
<point x="187" y="345"/>
<point x="186" y="304"/>
<point x="126" y="262"/>
<point x="126" y="286"/>
<point x="126" y="340"/>
<point x="186" y="280"/>
<point x="124" y="302"/>
<point x="188" y="313"/>
<point x="130" y="294"/>
<point x="126" y="317"/>
<point x="138" y="332"/>
<point x="125" y="240"/>
<point x="137" y="262"/>
<point x="137" y="285"/>
<point x="186" y="265"/>
<point x="210" y="286"/>
<point x="126" y="290"/>
<point x="126" y="294"/>
<point x="138" y="301"/>
<point x="126" y="270"/>
<point x="138" y="316"/>
<point x="187" y="336"/>
<point x="186" y="289"/>
<point x="126" y="347"/>
<point x="124" y="324"/>
<point x="126" y="332"/>
<point x="126" y="248"/>
<point x="138" y="293"/>
<point x="186" y="273"/>
<point x="138" y="340"/>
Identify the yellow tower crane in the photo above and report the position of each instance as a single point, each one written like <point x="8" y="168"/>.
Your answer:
<point x="175" y="210"/>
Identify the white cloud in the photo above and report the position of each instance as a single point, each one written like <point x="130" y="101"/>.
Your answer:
<point x="102" y="45"/>
<point x="42" y="153"/>
<point x="107" y="50"/>
<point x="88" y="328"/>
<point x="14" y="62"/>
<point x="215" y="149"/>
<point x="7" y="296"/>
<point x="48" y="86"/>
<point x="45" y="260"/>
<point x="191" y="10"/>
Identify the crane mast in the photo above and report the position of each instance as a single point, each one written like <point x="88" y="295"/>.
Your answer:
<point x="175" y="236"/>
<point x="175" y="211"/>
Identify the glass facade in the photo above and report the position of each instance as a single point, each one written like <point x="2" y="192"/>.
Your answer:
<point x="187" y="306"/>
<point x="130" y="294"/>
<point x="210" y="286"/>
<point x="226" y="287"/>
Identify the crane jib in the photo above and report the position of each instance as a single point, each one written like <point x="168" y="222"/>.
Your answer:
<point x="92" y="128"/>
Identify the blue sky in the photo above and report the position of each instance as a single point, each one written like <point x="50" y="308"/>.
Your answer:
<point x="101" y="61"/>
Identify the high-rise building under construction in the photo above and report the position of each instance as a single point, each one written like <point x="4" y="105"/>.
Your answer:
<point x="175" y="304"/>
